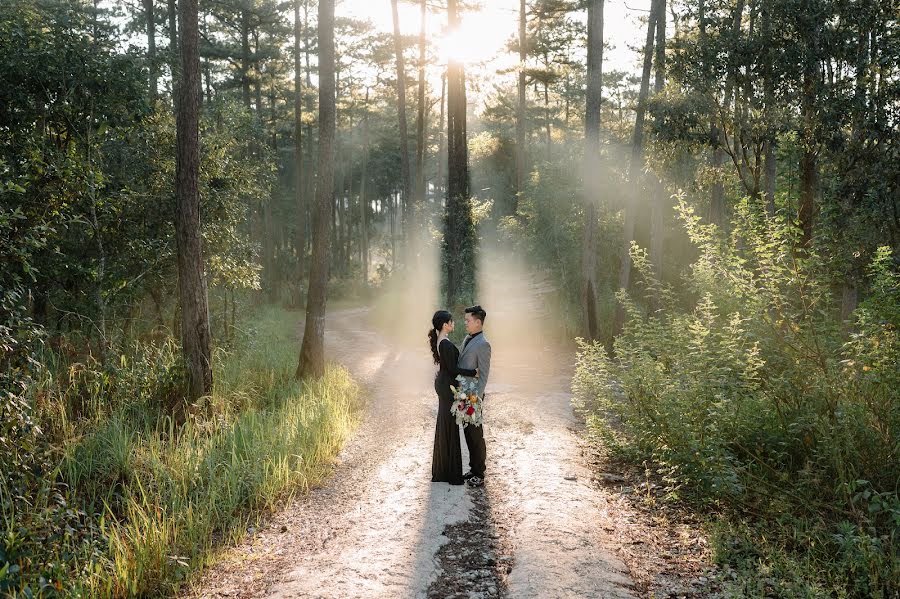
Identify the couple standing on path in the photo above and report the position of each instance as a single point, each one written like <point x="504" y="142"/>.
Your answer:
<point x="473" y="361"/>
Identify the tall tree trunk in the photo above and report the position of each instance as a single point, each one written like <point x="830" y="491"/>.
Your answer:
<point x="310" y="179"/>
<point x="808" y="188"/>
<point x="151" y="50"/>
<point x="850" y="203"/>
<point x="339" y="170"/>
<point x="312" y="352"/>
<point x="174" y="54"/>
<point x="401" y="113"/>
<point x="207" y="69"/>
<point x="809" y="167"/>
<point x="420" y="122"/>
<point x="348" y="195"/>
<point x="271" y="235"/>
<point x="335" y="241"/>
<point x="392" y="211"/>
<point x="659" y="81"/>
<point x="809" y="163"/>
<point x="364" y="197"/>
<point x="98" y="241"/>
<point x="257" y="76"/>
<point x="717" y="202"/>
<point x="634" y="171"/>
<point x="299" y="180"/>
<point x="442" y="158"/>
<point x="245" y="58"/>
<point x="750" y="163"/>
<point x="306" y="49"/>
<point x="591" y="168"/>
<point x="195" y="335"/>
<point x="520" y="110"/>
<point x="547" y="124"/>
<point x="658" y="193"/>
<point x="716" y="212"/>
<point x="459" y="233"/>
<point x="769" y="101"/>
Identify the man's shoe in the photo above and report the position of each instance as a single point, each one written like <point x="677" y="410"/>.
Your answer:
<point x="468" y="475"/>
<point x="474" y="482"/>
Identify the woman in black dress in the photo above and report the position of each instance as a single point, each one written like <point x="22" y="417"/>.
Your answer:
<point x="446" y="461"/>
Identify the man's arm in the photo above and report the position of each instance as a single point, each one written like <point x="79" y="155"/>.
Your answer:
<point x="484" y="366"/>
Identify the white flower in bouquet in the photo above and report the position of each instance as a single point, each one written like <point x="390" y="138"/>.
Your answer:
<point x="466" y="407"/>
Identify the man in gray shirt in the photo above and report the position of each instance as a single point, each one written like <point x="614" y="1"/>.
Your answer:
<point x="476" y="353"/>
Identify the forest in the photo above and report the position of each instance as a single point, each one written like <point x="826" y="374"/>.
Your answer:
<point x="182" y="182"/>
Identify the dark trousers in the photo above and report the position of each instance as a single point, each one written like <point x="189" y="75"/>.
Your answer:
<point x="477" y="450"/>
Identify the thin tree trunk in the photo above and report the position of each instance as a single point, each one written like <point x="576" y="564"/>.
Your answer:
<point x="520" y="110"/>
<point x="401" y="114"/>
<point x="272" y="234"/>
<point x="363" y="196"/>
<point x="716" y="212"/>
<point x="207" y="69"/>
<point x="310" y="179"/>
<point x="717" y="202"/>
<point x="850" y="203"/>
<point x="769" y="100"/>
<point x="312" y="351"/>
<point x="151" y="50"/>
<point x="547" y="120"/>
<point x="299" y="180"/>
<point x="340" y="176"/>
<point x="591" y="168"/>
<point x="174" y="55"/>
<point x="808" y="189"/>
<point x="338" y="171"/>
<point x="306" y="50"/>
<point x="257" y="76"/>
<point x="637" y="154"/>
<point x="849" y="298"/>
<point x="658" y="193"/>
<point x="746" y="107"/>
<point x="101" y="251"/>
<point x="392" y="210"/>
<point x="195" y="334"/>
<point x="245" y="58"/>
<point x="442" y="159"/>
<point x="420" y="123"/>
<point x="348" y="194"/>
<point x="809" y="166"/>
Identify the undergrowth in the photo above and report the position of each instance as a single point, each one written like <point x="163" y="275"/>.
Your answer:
<point x="131" y="501"/>
<point x="753" y="399"/>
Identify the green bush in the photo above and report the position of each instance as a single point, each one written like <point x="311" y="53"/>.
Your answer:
<point x="751" y="397"/>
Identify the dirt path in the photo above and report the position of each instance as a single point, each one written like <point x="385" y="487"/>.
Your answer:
<point x="380" y="528"/>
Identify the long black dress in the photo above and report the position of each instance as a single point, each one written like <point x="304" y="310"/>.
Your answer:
<point x="446" y="461"/>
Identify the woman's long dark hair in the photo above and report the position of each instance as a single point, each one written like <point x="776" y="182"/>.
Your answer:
<point x="440" y="318"/>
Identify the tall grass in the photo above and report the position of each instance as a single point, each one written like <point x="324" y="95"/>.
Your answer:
<point x="165" y="493"/>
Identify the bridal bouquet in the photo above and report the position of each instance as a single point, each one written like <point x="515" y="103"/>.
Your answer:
<point x="466" y="405"/>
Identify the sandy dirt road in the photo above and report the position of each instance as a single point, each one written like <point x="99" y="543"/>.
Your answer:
<point x="380" y="528"/>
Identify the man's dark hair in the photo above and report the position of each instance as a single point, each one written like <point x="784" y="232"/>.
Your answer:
<point x="477" y="312"/>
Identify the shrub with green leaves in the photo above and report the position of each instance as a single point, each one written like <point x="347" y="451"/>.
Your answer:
<point x="752" y="395"/>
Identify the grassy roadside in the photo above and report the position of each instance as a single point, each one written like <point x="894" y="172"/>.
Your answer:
<point x="156" y="498"/>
